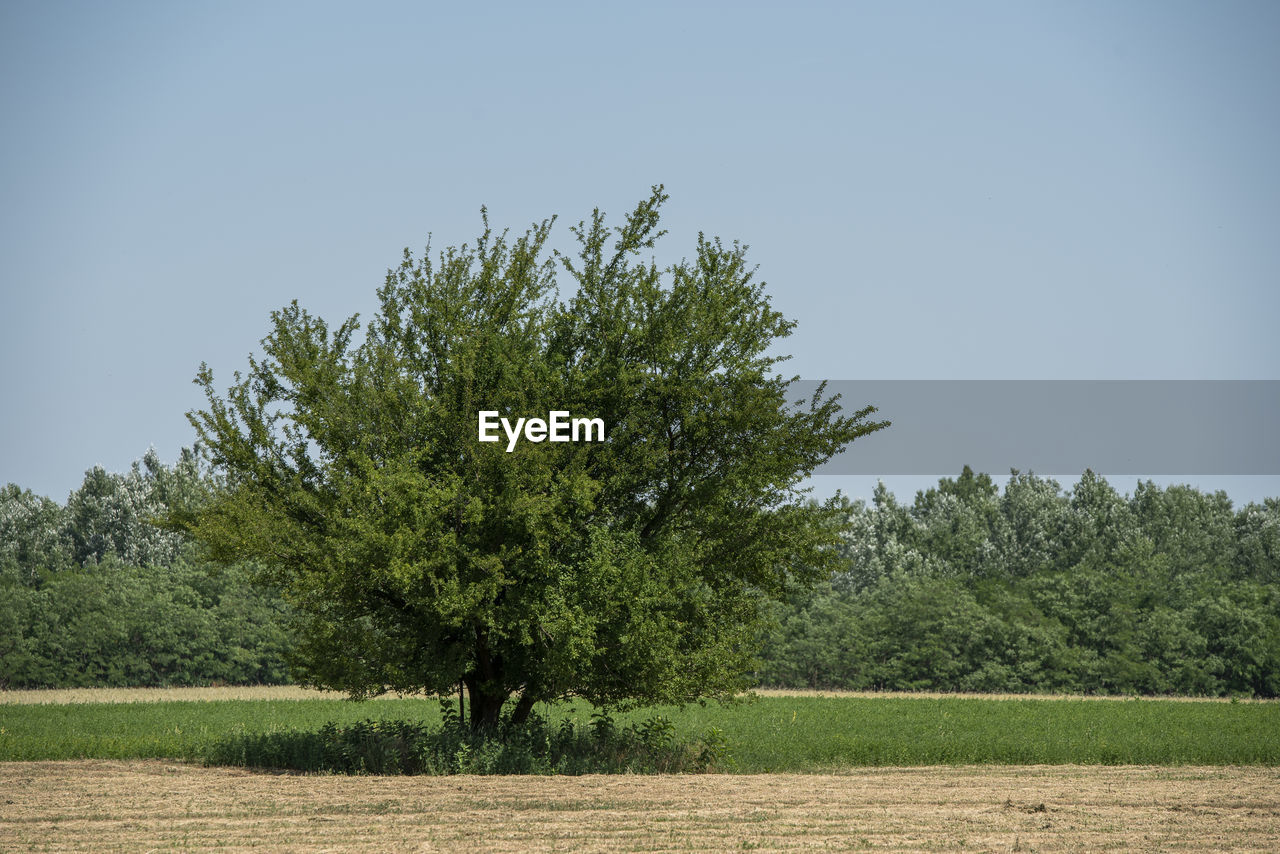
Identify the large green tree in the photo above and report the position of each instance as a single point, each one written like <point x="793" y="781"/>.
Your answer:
<point x="628" y="570"/>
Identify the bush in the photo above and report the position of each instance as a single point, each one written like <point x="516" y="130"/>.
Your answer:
<point x="534" y="747"/>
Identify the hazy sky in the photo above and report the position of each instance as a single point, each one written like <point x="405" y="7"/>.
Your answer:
<point x="1084" y="190"/>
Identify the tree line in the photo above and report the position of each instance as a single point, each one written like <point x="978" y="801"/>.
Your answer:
<point x="1040" y="589"/>
<point x="1032" y="588"/>
<point x="96" y="593"/>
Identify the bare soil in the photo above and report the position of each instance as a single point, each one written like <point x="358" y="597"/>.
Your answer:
<point x="154" y="805"/>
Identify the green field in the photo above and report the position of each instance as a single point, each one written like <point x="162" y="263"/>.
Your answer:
<point x="767" y="734"/>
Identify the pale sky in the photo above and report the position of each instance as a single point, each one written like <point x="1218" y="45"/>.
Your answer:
<point x="1012" y="190"/>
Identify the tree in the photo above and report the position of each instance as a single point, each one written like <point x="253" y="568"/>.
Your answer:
<point x="115" y="514"/>
<point x="33" y="539"/>
<point x="1258" y="535"/>
<point x="623" y="571"/>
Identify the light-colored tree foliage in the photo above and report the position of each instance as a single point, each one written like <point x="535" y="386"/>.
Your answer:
<point x="115" y="514"/>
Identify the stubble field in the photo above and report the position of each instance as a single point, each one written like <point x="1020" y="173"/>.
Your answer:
<point x="97" y="805"/>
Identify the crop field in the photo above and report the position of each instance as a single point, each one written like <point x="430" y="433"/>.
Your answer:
<point x="769" y="734"/>
<point x="124" y="770"/>
<point x="99" y="805"/>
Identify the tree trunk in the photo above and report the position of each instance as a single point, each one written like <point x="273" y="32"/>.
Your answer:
<point x="486" y="700"/>
<point x="524" y="706"/>
<point x="485" y="707"/>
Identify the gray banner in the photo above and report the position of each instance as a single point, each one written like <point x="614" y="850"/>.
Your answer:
<point x="1121" y="427"/>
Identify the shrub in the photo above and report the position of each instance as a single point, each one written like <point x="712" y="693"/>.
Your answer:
<point x="532" y="747"/>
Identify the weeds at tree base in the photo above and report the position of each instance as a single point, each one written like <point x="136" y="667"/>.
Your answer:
<point x="534" y="747"/>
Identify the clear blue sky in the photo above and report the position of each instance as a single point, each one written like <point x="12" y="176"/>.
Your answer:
<point x="932" y="190"/>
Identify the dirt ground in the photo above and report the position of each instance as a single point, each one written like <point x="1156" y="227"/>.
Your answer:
<point x="154" y="805"/>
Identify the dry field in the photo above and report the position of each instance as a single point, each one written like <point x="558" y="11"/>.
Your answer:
<point x="937" y="695"/>
<point x="293" y="692"/>
<point x="147" y="806"/>
<point x="156" y="695"/>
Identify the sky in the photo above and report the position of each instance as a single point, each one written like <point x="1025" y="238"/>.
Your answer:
<point x="986" y="190"/>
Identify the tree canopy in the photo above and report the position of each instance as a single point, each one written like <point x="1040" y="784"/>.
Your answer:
<point x="629" y="570"/>
<point x="1037" y="589"/>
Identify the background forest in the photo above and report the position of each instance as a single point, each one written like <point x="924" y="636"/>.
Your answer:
<point x="93" y="593"/>
<point x="1032" y="588"/>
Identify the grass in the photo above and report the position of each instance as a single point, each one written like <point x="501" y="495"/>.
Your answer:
<point x="183" y="729"/>
<point x="770" y="734"/>
<point x="815" y="733"/>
